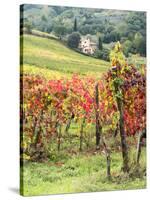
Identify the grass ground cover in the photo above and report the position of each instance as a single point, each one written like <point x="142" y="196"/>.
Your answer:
<point x="80" y="173"/>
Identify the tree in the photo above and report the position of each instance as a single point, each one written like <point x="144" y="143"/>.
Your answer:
<point x="140" y="43"/>
<point x="28" y="26"/>
<point x="127" y="47"/>
<point x="102" y="54"/>
<point x="110" y="29"/>
<point x="60" y="31"/>
<point x="142" y="49"/>
<point x="106" y="38"/>
<point x="43" y="18"/>
<point x="73" y="40"/>
<point x="86" y="29"/>
<point x="114" y="36"/>
<point x="137" y="40"/>
<point x="100" y="45"/>
<point x="75" y="25"/>
<point x="118" y="92"/>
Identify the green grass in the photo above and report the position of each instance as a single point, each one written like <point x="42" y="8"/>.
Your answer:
<point x="53" y="55"/>
<point x="79" y="173"/>
<point x="43" y="34"/>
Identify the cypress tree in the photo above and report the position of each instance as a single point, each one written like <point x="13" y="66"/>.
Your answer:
<point x="100" y="45"/>
<point x="75" y="25"/>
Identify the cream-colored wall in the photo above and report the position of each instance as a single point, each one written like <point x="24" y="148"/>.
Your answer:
<point x="85" y="45"/>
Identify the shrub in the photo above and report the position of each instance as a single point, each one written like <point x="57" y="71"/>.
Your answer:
<point x="73" y="40"/>
<point x="102" y="54"/>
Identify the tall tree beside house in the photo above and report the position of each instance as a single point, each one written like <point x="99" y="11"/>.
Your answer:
<point x="75" y="25"/>
<point x="73" y="40"/>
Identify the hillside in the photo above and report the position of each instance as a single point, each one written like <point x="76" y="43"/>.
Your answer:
<point x="128" y="27"/>
<point x="53" y="55"/>
<point x="40" y="14"/>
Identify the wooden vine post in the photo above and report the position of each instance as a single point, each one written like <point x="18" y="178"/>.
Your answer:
<point x="98" y="125"/>
<point x="119" y="100"/>
<point x="37" y="129"/>
<point x="99" y="136"/>
<point x="81" y="133"/>
<point x="139" y="145"/>
<point x="108" y="158"/>
<point x="59" y="137"/>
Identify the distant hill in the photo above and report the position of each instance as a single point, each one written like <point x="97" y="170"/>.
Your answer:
<point x="128" y="27"/>
<point x="44" y="17"/>
<point x="37" y="11"/>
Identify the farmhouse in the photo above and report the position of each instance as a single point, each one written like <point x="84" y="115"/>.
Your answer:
<point x="87" y="46"/>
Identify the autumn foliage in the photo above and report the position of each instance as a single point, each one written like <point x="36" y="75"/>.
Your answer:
<point x="49" y="106"/>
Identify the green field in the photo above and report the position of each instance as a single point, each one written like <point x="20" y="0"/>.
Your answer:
<point x="80" y="173"/>
<point x="53" y="55"/>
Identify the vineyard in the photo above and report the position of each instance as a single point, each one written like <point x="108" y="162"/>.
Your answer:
<point x="98" y="122"/>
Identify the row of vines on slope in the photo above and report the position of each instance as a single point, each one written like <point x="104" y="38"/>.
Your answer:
<point x="49" y="107"/>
